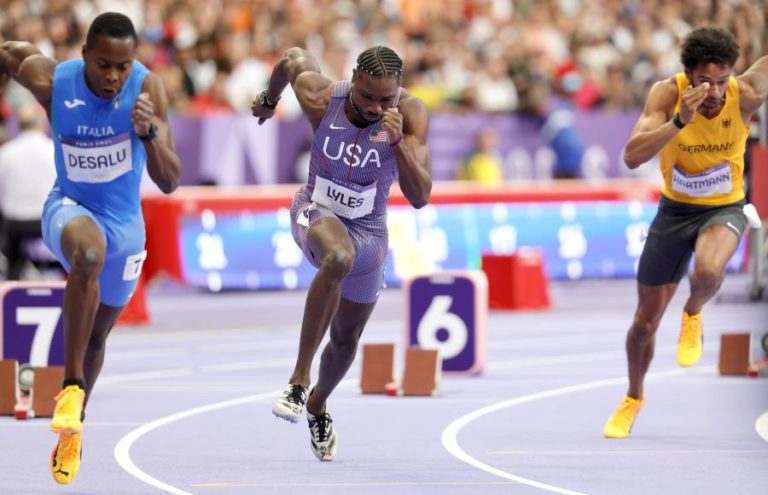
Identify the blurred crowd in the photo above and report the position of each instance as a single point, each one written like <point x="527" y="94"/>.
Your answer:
<point x="460" y="55"/>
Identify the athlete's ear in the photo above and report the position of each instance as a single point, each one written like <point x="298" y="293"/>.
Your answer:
<point x="84" y="51"/>
<point x="354" y="75"/>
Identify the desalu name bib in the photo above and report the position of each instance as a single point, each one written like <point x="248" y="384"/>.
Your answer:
<point x="716" y="180"/>
<point x="343" y="198"/>
<point x="97" y="160"/>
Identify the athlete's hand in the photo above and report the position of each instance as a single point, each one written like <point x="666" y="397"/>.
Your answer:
<point x="692" y="98"/>
<point x="261" y="112"/>
<point x="141" y="116"/>
<point x="392" y="122"/>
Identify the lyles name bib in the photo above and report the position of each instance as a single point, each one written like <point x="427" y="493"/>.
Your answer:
<point x="343" y="198"/>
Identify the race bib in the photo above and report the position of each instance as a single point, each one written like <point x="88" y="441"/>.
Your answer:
<point x="345" y="199"/>
<point x="97" y="160"/>
<point x="716" y="180"/>
<point x="133" y="265"/>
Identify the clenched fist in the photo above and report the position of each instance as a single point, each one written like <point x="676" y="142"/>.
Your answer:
<point x="392" y="122"/>
<point x="141" y="116"/>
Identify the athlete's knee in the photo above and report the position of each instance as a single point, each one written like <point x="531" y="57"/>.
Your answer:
<point x="644" y="328"/>
<point x="337" y="263"/>
<point x="98" y="340"/>
<point x="88" y="260"/>
<point x="345" y="342"/>
<point x="706" y="279"/>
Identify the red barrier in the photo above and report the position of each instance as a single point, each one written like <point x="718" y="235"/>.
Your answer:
<point x="517" y="281"/>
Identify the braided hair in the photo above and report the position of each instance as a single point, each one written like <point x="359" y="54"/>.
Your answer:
<point x="380" y="61"/>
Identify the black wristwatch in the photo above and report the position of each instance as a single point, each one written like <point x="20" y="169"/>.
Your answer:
<point x="152" y="134"/>
<point x="264" y="100"/>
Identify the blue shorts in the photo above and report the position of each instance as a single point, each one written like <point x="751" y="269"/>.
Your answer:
<point x="125" y="246"/>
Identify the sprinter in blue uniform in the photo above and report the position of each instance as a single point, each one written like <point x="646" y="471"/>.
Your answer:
<point x="108" y="116"/>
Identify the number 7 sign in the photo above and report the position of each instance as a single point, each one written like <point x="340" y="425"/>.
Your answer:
<point x="32" y="329"/>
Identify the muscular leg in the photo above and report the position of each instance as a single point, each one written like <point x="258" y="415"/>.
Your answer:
<point x="340" y="351"/>
<point x="331" y="245"/>
<point x="641" y="339"/>
<point x="84" y="247"/>
<point x="106" y="316"/>
<point x="714" y="248"/>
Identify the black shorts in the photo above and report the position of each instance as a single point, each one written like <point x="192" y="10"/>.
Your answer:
<point x="673" y="233"/>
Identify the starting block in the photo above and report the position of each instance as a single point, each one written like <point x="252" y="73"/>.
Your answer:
<point x="735" y="349"/>
<point x="518" y="280"/>
<point x="378" y="368"/>
<point x="422" y="371"/>
<point x="47" y="385"/>
<point x="28" y="392"/>
<point x="9" y="386"/>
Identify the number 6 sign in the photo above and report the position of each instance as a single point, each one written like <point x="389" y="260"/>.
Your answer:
<point x="32" y="330"/>
<point x="447" y="311"/>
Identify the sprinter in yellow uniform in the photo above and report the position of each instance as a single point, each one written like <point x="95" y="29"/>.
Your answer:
<point x="697" y="121"/>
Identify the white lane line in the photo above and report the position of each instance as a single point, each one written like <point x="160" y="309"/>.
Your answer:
<point x="557" y="360"/>
<point x="761" y="425"/>
<point x="591" y="453"/>
<point x="361" y="484"/>
<point x="451" y="432"/>
<point x="145" y="375"/>
<point x="188" y="371"/>
<point x="123" y="447"/>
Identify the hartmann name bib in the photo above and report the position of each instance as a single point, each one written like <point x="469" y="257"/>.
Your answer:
<point x="716" y="180"/>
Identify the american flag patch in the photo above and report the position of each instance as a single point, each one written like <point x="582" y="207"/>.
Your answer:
<point x="378" y="136"/>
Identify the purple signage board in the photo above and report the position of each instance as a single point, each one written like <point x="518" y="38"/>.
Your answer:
<point x="32" y="328"/>
<point x="447" y="311"/>
<point x="233" y="149"/>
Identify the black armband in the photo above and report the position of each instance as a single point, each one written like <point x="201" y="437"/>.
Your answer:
<point x="676" y="120"/>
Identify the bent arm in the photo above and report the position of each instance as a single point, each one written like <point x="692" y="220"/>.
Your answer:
<point x="753" y="86"/>
<point x="414" y="164"/>
<point x="299" y="68"/>
<point x="654" y="128"/>
<point x="163" y="164"/>
<point x="26" y="64"/>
